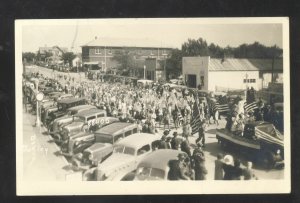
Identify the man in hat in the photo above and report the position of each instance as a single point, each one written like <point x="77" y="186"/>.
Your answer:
<point x="228" y="168"/>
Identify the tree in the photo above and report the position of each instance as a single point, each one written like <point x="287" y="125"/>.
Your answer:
<point x="29" y="56"/>
<point x="195" y="48"/>
<point x="68" y="57"/>
<point x="174" y="64"/>
<point x="125" y="60"/>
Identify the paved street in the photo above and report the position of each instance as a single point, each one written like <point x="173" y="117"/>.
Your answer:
<point x="46" y="160"/>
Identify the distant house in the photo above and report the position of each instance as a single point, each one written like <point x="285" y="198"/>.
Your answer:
<point x="77" y="61"/>
<point x="220" y="74"/>
<point x="266" y="67"/>
<point x="55" y="51"/>
<point x="102" y="51"/>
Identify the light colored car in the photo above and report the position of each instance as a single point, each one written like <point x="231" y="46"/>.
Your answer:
<point x="156" y="165"/>
<point x="126" y="156"/>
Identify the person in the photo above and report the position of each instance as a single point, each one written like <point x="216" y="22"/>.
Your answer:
<point x="185" y="146"/>
<point x="248" y="173"/>
<point x="163" y="144"/>
<point x="228" y="167"/>
<point x="179" y="169"/>
<point x="175" y="142"/>
<point x="167" y="120"/>
<point x="201" y="134"/>
<point x="219" y="175"/>
<point x="199" y="164"/>
<point x="237" y="170"/>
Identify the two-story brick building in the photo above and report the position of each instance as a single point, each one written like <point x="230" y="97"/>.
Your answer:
<point x="102" y="50"/>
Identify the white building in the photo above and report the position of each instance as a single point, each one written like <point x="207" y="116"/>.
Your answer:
<point x="220" y="74"/>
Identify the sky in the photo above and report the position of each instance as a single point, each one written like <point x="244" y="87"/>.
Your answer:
<point x="170" y="32"/>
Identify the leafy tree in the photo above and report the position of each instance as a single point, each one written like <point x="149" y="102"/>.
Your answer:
<point x="195" y="48"/>
<point x="29" y="56"/>
<point x="174" y="64"/>
<point x="68" y="57"/>
<point x="125" y="60"/>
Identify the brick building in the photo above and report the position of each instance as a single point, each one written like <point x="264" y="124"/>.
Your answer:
<point x="102" y="51"/>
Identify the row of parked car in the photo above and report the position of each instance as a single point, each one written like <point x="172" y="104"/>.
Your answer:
<point x="103" y="147"/>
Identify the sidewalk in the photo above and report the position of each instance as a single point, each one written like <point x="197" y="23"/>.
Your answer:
<point x="41" y="161"/>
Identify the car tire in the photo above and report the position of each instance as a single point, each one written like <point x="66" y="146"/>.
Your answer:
<point x="267" y="160"/>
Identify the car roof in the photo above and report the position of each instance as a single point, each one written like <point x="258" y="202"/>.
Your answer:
<point x="138" y="140"/>
<point x="160" y="158"/>
<point x="80" y="107"/>
<point x="115" y="127"/>
<point x="89" y="112"/>
<point x="70" y="100"/>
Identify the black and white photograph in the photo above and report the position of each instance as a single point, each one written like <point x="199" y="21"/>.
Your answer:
<point x="152" y="106"/>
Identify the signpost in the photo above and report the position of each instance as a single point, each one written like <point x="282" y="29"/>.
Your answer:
<point x="39" y="97"/>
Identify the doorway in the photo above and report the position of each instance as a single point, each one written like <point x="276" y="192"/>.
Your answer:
<point x="191" y="81"/>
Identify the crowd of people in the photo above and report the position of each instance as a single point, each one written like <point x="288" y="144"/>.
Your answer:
<point x="152" y="107"/>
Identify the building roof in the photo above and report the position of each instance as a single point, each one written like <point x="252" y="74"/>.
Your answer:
<point x="266" y="64"/>
<point x="126" y="42"/>
<point x="231" y="64"/>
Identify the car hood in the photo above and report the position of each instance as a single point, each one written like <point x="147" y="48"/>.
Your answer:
<point x="114" y="162"/>
<point x="74" y="126"/>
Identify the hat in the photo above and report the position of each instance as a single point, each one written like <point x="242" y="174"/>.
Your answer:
<point x="166" y="132"/>
<point x="181" y="156"/>
<point x="228" y="159"/>
<point x="175" y="133"/>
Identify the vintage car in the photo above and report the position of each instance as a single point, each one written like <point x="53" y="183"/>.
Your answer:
<point x="156" y="166"/>
<point x="260" y="140"/>
<point x="68" y="118"/>
<point x="62" y="96"/>
<point x="80" y="120"/>
<point x="62" y="107"/>
<point x="105" y="138"/>
<point x="126" y="156"/>
<point x="78" y="141"/>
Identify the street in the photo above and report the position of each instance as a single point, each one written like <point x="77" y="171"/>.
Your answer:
<point x="44" y="157"/>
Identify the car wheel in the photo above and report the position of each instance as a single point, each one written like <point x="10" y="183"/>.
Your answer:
<point x="268" y="161"/>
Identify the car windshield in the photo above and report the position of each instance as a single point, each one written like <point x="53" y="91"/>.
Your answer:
<point x="124" y="150"/>
<point x="150" y="173"/>
<point x="102" y="138"/>
<point x="270" y="130"/>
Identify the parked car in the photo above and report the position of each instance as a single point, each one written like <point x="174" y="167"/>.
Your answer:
<point x="80" y="120"/>
<point x="62" y="107"/>
<point x="78" y="141"/>
<point x="156" y="166"/>
<point x="105" y="138"/>
<point x="126" y="156"/>
<point x="68" y="118"/>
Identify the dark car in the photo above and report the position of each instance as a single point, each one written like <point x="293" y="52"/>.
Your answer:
<point x="261" y="141"/>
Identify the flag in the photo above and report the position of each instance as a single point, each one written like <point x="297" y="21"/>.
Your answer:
<point x="196" y="122"/>
<point x="215" y="106"/>
<point x="250" y="106"/>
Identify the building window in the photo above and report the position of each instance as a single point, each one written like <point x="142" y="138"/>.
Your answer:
<point x="97" y="51"/>
<point x="252" y="80"/>
<point x="151" y="52"/>
<point x="164" y="52"/>
<point x="109" y="51"/>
